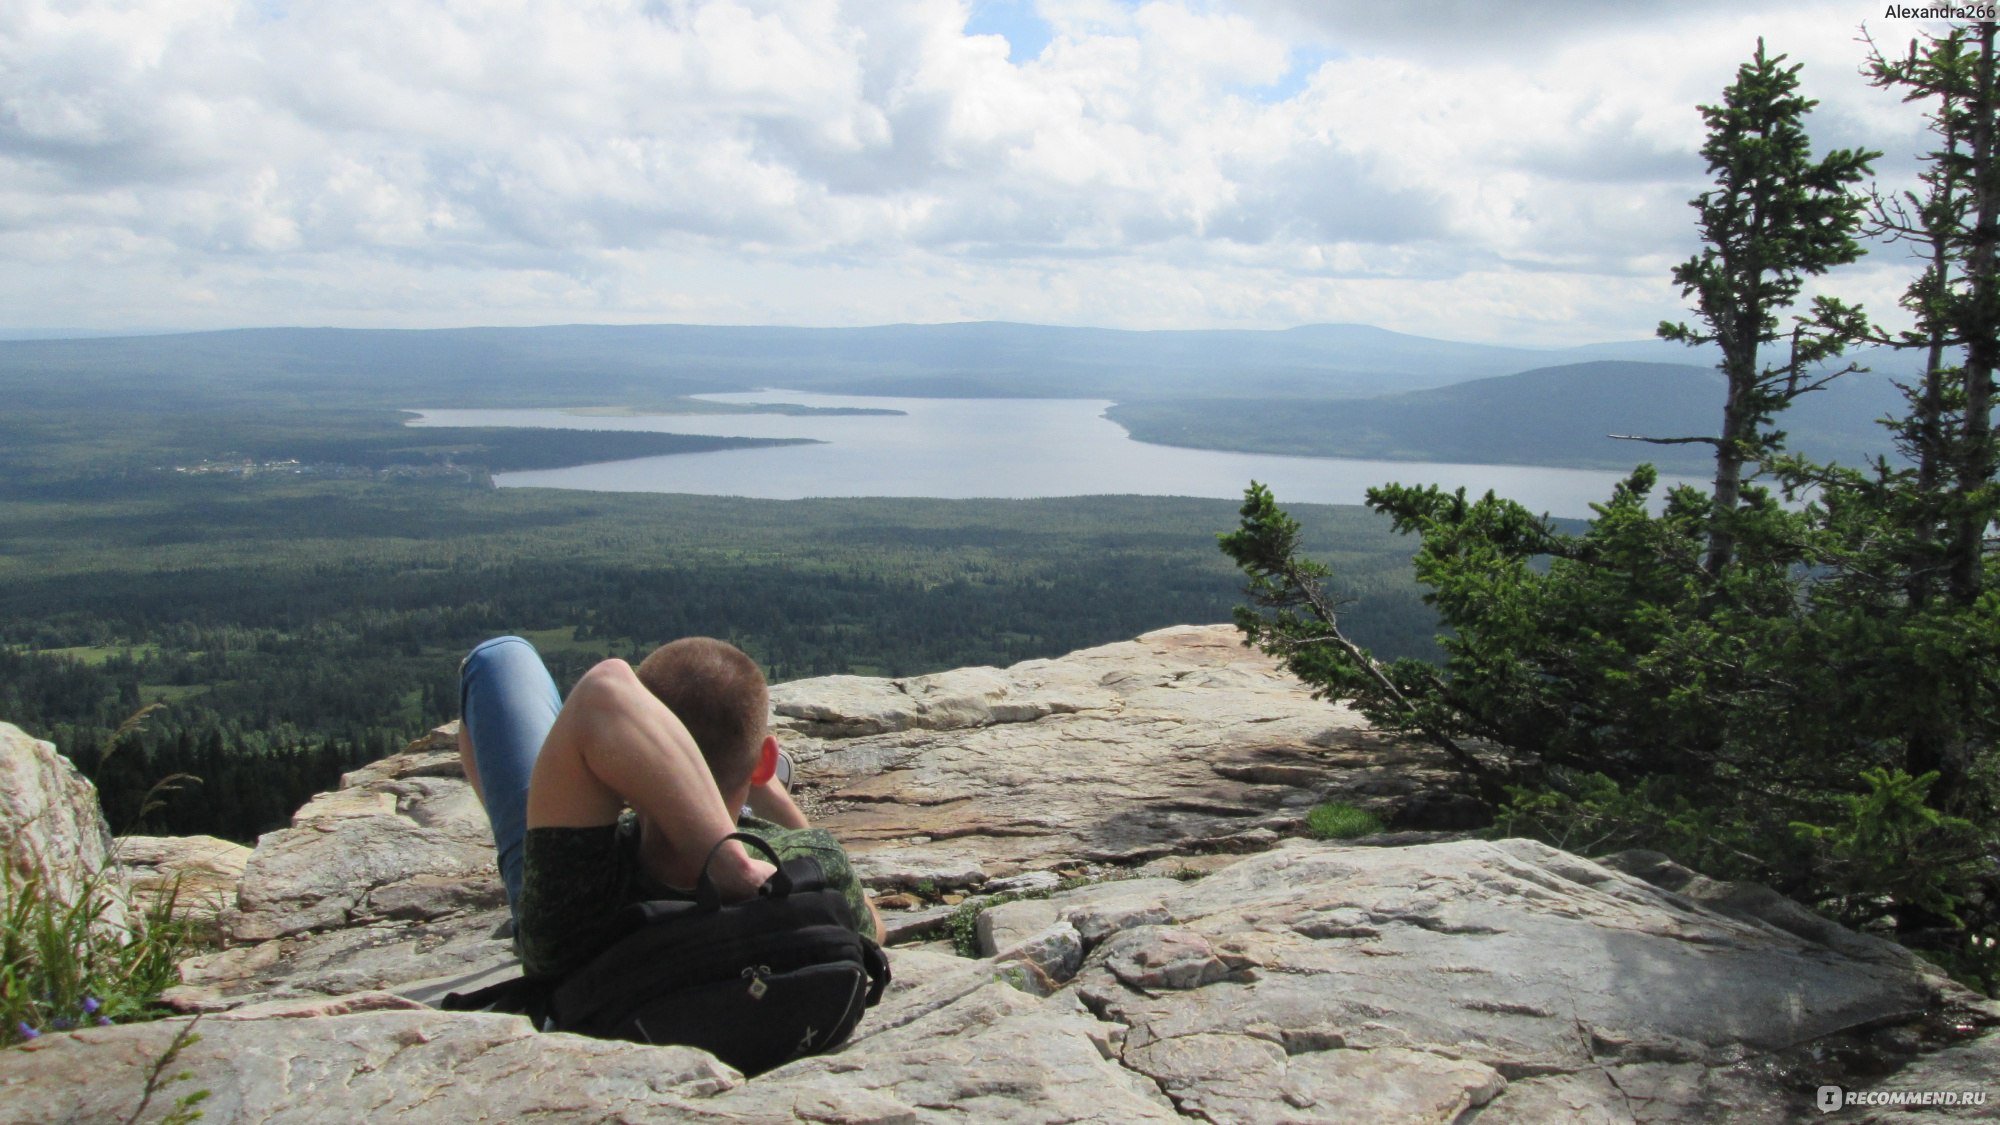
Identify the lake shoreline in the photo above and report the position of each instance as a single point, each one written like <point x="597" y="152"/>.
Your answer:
<point x="989" y="449"/>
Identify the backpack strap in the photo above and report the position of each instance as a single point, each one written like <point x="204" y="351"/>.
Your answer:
<point x="521" y="996"/>
<point x="876" y="963"/>
<point x="779" y="885"/>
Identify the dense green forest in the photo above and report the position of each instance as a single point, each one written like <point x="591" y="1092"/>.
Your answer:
<point x="295" y="627"/>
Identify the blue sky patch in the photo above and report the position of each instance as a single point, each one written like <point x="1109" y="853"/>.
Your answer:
<point x="1026" y="31"/>
<point x="1305" y="62"/>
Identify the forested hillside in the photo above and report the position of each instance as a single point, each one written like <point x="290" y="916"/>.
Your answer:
<point x="294" y="628"/>
<point x="1548" y="416"/>
<point x="571" y="364"/>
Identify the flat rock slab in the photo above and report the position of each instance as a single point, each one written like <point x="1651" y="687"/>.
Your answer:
<point x="1310" y="983"/>
<point x="949" y="1042"/>
<point x="197" y="875"/>
<point x="1506" y="975"/>
<point x="381" y="955"/>
<point x="365" y="1066"/>
<point x="1181" y="741"/>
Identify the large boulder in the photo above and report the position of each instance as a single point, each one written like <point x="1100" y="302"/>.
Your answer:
<point x="51" y="826"/>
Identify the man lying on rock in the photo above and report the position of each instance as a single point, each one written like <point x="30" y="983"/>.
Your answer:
<point x="619" y="794"/>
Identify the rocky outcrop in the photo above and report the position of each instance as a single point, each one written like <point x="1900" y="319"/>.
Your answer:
<point x="51" y="828"/>
<point x="196" y="876"/>
<point x="404" y="838"/>
<point x="1180" y="742"/>
<point x="1180" y="747"/>
<point x="1507" y="975"/>
<point x="1311" y="982"/>
<point x="386" y="881"/>
<point x="1266" y="979"/>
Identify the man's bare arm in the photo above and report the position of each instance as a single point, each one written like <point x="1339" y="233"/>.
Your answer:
<point x="615" y="744"/>
<point x="771" y="802"/>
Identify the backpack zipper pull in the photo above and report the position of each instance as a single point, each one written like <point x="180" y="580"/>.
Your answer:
<point x="755" y="975"/>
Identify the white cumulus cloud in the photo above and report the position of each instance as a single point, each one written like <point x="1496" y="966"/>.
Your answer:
<point x="1457" y="169"/>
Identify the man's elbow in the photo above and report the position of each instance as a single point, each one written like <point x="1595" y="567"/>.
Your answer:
<point x="608" y="684"/>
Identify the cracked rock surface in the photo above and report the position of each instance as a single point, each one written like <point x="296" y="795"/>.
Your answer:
<point x="1274" y="980"/>
<point x="397" y="836"/>
<point x="1180" y="742"/>
<point x="1507" y="977"/>
<point x="1498" y="981"/>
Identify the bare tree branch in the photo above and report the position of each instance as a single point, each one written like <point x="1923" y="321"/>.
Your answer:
<point x="1323" y="608"/>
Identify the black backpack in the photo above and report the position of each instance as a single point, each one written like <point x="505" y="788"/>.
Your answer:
<point x="757" y="983"/>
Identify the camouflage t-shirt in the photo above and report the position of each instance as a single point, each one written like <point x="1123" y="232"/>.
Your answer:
<point x="575" y="881"/>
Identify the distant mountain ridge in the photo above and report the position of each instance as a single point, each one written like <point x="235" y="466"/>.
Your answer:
<point x="1562" y="415"/>
<point x="513" y="366"/>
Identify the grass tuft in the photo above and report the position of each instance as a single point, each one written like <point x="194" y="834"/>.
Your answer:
<point x="65" y="965"/>
<point x="1337" y="820"/>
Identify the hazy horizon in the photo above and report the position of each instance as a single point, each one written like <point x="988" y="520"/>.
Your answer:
<point x="34" y="333"/>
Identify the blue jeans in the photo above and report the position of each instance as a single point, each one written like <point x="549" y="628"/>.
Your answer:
<point x="508" y="702"/>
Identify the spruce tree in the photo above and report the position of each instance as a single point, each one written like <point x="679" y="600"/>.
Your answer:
<point x="1774" y="217"/>
<point x="1955" y="304"/>
<point x="1906" y="589"/>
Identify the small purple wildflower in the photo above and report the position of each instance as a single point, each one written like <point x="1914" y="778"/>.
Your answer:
<point x="90" y="1005"/>
<point x="26" y="1031"/>
<point x="104" y="1021"/>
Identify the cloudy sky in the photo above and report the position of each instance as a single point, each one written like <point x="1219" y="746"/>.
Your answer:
<point x="1483" y="171"/>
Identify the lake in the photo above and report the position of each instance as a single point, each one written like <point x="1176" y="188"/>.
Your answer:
<point x="1002" y="448"/>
